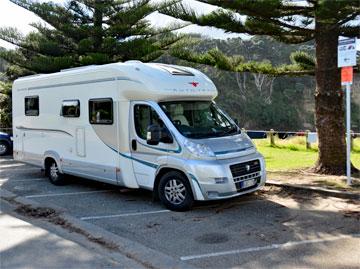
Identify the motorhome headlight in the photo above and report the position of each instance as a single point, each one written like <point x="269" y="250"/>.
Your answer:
<point x="200" y="150"/>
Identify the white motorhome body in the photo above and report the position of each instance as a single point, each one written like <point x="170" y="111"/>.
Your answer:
<point x="133" y="124"/>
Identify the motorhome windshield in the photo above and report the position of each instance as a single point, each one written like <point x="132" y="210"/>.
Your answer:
<point x="199" y="119"/>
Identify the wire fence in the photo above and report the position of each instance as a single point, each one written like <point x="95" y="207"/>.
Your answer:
<point x="6" y="130"/>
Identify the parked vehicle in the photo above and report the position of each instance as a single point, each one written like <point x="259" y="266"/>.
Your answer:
<point x="6" y="144"/>
<point x="137" y="125"/>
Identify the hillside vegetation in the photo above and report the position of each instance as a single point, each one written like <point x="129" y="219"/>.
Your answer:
<point x="262" y="102"/>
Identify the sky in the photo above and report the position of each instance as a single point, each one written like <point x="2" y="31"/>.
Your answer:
<point x="15" y="16"/>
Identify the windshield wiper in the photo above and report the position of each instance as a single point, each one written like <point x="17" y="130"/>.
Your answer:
<point x="229" y="132"/>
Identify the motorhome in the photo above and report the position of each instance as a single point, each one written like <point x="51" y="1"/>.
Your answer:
<point x="136" y="125"/>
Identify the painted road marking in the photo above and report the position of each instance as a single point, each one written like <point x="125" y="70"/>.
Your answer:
<point x="66" y="193"/>
<point x="269" y="247"/>
<point x="19" y="169"/>
<point x="12" y="165"/>
<point x="19" y="180"/>
<point x="125" y="215"/>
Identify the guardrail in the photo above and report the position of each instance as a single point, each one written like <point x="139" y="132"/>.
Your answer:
<point x="6" y="130"/>
<point x="310" y="137"/>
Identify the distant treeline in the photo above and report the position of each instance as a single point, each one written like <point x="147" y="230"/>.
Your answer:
<point x="262" y="102"/>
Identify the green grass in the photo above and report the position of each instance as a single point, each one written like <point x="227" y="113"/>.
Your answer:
<point x="290" y="154"/>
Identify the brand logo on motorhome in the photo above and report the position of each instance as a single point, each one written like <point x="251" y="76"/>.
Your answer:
<point x="195" y="84"/>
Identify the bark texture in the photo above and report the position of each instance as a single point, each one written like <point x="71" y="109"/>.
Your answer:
<point x="329" y="104"/>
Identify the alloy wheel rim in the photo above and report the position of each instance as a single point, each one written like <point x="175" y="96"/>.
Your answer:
<point x="175" y="191"/>
<point x="2" y="148"/>
<point x="54" y="171"/>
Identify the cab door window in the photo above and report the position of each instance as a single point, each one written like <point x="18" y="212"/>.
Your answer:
<point x="144" y="116"/>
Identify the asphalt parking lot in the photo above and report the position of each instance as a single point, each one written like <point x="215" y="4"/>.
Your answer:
<point x="271" y="228"/>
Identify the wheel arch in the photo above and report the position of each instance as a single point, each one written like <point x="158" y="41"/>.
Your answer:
<point x="52" y="155"/>
<point x="166" y="169"/>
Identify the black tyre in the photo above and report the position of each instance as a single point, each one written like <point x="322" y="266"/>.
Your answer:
<point x="4" y="148"/>
<point x="52" y="171"/>
<point x="175" y="191"/>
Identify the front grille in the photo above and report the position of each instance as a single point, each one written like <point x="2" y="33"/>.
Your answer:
<point x="246" y="177"/>
<point x="246" y="168"/>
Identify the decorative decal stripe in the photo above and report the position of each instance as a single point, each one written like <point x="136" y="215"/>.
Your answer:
<point x="178" y="150"/>
<point x="135" y="159"/>
<point x="77" y="83"/>
<point x="231" y="151"/>
<point x="42" y="130"/>
<point x="197" y="182"/>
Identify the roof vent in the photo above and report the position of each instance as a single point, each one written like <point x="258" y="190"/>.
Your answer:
<point x="176" y="71"/>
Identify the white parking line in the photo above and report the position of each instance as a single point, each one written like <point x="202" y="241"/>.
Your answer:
<point x="269" y="247"/>
<point x="66" y="193"/>
<point x="9" y="169"/>
<point x="20" y="180"/>
<point x="125" y="215"/>
<point x="12" y="165"/>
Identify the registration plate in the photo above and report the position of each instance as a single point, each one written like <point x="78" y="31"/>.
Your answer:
<point x="248" y="183"/>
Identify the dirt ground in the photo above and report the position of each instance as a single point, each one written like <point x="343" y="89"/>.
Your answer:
<point x="304" y="177"/>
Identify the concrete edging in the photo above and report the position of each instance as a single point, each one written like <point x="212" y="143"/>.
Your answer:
<point x="324" y="191"/>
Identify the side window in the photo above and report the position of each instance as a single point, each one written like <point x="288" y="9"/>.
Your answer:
<point x="70" y="108"/>
<point x="101" y="111"/>
<point x="144" y="116"/>
<point x="32" y="106"/>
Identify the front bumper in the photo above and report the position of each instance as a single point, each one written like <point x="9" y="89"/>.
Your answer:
<point x="205" y="177"/>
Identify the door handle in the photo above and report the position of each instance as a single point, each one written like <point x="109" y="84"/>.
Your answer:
<point x="133" y="144"/>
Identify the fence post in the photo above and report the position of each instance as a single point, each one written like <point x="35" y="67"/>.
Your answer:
<point x="272" y="138"/>
<point x="308" y="144"/>
<point x="243" y="130"/>
<point x="352" y="140"/>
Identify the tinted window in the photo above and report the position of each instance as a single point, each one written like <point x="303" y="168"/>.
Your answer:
<point x="70" y="108"/>
<point x="32" y="106"/>
<point x="144" y="116"/>
<point x="101" y="111"/>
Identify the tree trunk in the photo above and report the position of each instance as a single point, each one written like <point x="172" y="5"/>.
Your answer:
<point x="329" y="105"/>
<point x="98" y="22"/>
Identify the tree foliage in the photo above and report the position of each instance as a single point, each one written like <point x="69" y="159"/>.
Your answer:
<point x="85" y="32"/>
<point x="258" y="101"/>
<point x="294" y="22"/>
<point x="5" y="104"/>
<point x="286" y="21"/>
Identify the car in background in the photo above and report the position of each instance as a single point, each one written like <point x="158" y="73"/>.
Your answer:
<point x="6" y="144"/>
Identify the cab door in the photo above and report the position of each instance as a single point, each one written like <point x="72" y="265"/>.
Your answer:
<point x="146" y="158"/>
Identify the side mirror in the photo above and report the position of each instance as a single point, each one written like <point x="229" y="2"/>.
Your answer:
<point x="153" y="134"/>
<point x="236" y="121"/>
<point x="166" y="137"/>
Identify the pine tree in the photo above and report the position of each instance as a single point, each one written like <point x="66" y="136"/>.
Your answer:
<point x="84" y="32"/>
<point x="293" y="22"/>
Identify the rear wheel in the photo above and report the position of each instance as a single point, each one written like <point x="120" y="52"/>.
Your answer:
<point x="4" y="148"/>
<point x="52" y="171"/>
<point x="175" y="191"/>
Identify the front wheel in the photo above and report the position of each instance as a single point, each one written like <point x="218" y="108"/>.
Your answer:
<point x="55" y="177"/>
<point x="175" y="191"/>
